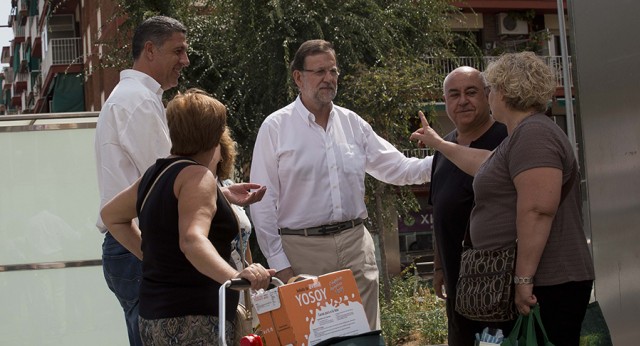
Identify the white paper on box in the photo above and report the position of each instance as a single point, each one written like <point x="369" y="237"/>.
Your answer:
<point x="267" y="301"/>
<point x="331" y="320"/>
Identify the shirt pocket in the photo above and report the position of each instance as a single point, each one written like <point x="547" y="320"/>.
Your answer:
<point x="353" y="159"/>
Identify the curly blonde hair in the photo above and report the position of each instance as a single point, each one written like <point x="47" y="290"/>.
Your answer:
<point x="524" y="79"/>
<point x="228" y="153"/>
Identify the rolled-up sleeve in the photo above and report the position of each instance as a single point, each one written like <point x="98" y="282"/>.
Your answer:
<point x="388" y="164"/>
<point x="264" y="171"/>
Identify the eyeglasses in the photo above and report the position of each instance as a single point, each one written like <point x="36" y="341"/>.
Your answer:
<point x="322" y="72"/>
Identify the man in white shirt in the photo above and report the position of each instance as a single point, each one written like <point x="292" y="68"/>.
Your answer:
<point x="312" y="156"/>
<point x="131" y="134"/>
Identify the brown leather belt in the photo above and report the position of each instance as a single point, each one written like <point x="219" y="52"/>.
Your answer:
<point x="321" y="230"/>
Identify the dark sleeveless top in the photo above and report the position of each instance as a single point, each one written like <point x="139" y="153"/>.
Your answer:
<point x="171" y="285"/>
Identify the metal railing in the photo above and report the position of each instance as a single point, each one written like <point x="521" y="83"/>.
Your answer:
<point x="61" y="51"/>
<point x="18" y="30"/>
<point x="34" y="83"/>
<point x="8" y="77"/>
<point x="32" y="25"/>
<point x="23" y="5"/>
<point x="446" y="65"/>
<point x="21" y="77"/>
<point x="12" y="122"/>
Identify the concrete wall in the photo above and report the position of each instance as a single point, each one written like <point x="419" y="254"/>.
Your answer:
<point x="607" y="70"/>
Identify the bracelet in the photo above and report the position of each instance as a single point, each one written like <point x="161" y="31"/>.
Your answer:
<point x="523" y="280"/>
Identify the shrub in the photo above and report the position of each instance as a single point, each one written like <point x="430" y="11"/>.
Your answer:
<point x="413" y="312"/>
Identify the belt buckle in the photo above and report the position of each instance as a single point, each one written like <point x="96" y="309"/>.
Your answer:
<point x="328" y="229"/>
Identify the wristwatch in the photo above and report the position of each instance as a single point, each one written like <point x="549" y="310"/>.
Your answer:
<point x="523" y="280"/>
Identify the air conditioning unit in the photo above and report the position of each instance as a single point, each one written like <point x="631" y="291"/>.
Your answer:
<point x="508" y="25"/>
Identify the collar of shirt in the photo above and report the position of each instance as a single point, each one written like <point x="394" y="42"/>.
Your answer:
<point x="145" y="79"/>
<point x="307" y="116"/>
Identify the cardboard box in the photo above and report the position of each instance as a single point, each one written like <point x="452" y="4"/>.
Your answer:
<point x="307" y="312"/>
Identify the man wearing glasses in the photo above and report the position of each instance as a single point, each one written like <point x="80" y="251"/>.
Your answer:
<point x="312" y="156"/>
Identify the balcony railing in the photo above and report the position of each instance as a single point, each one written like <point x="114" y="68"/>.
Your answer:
<point x="34" y="83"/>
<point x="18" y="30"/>
<point x="446" y="65"/>
<point x="23" y="6"/>
<point x="8" y="78"/>
<point x="21" y="81"/>
<point x="32" y="27"/>
<point x="61" y="51"/>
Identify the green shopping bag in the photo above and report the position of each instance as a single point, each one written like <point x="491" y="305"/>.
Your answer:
<point x="524" y="331"/>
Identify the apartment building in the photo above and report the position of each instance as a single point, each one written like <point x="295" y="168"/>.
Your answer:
<point x="53" y="58"/>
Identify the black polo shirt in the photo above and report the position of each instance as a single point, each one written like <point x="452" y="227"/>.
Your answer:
<point x="452" y="199"/>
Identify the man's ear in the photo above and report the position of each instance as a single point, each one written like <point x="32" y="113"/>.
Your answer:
<point x="297" y="78"/>
<point x="148" y="50"/>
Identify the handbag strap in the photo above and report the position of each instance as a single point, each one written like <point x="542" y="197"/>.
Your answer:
<point x="534" y="319"/>
<point x="243" y="259"/>
<point x="247" y="295"/>
<point x="518" y="328"/>
<point x="566" y="187"/>
<point x="158" y="178"/>
<point x="243" y="263"/>
<point x="524" y="330"/>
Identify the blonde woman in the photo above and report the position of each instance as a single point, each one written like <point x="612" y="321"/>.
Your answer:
<point x="224" y="169"/>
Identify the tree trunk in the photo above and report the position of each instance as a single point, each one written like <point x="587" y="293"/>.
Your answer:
<point x="381" y="220"/>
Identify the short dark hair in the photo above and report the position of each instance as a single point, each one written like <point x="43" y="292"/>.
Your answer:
<point x="156" y="29"/>
<point x="308" y="48"/>
<point x="196" y="122"/>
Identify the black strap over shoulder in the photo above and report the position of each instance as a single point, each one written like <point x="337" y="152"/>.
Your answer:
<point x="159" y="174"/>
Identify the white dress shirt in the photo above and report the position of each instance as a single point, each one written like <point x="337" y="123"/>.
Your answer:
<point x="131" y="134"/>
<point x="316" y="177"/>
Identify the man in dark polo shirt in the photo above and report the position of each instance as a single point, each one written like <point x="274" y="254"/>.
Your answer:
<point x="467" y="105"/>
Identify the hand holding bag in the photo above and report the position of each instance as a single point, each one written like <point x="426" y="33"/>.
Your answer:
<point x="524" y="331"/>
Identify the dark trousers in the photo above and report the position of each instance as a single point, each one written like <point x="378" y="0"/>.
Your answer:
<point x="123" y="273"/>
<point x="562" y="309"/>
<point x="462" y="331"/>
